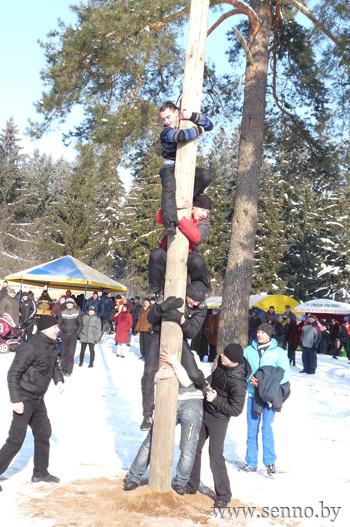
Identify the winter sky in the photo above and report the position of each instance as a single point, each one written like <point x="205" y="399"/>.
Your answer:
<point x="22" y="23"/>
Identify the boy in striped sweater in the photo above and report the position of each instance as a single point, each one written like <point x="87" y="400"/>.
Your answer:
<point x="171" y="135"/>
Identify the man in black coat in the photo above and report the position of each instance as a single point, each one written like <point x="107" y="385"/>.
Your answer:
<point x="27" y="310"/>
<point x="190" y="322"/>
<point x="225" y="400"/>
<point x="34" y="366"/>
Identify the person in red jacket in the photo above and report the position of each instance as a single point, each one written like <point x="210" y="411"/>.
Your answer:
<point x="196" y="230"/>
<point x="124" y="321"/>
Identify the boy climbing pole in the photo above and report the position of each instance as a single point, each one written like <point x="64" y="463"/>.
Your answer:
<point x="169" y="137"/>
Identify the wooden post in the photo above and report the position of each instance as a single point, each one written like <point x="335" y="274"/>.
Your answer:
<point x="162" y="451"/>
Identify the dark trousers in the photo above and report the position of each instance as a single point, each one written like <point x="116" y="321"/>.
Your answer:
<point x="291" y="353"/>
<point x="143" y="343"/>
<point x="92" y="352"/>
<point x="347" y="348"/>
<point x="68" y="345"/>
<point x="212" y="352"/>
<point x="34" y="415"/>
<point x="309" y="358"/>
<point x="168" y="199"/>
<point x="150" y="369"/>
<point x="152" y="365"/>
<point x="215" y="429"/>
<point x="196" y="269"/>
<point x="335" y="346"/>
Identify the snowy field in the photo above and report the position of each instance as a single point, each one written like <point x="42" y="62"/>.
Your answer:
<point x="96" y="434"/>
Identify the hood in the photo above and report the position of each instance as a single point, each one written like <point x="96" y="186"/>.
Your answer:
<point x="242" y="371"/>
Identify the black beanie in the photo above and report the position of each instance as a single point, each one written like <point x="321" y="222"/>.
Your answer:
<point x="196" y="290"/>
<point x="203" y="201"/>
<point x="267" y="328"/>
<point x="234" y="352"/>
<point x="46" y="321"/>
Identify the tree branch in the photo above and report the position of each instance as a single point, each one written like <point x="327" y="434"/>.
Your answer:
<point x="168" y="19"/>
<point x="244" y="9"/>
<point x="300" y="7"/>
<point x="223" y="17"/>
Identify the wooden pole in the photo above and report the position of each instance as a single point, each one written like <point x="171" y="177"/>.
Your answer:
<point x="162" y="451"/>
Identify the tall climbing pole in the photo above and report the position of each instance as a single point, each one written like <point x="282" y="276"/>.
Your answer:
<point x="163" y="437"/>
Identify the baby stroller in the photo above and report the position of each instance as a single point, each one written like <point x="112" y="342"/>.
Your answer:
<point x="10" y="335"/>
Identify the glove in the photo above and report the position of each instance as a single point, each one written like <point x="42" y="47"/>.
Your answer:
<point x="172" y="315"/>
<point x="171" y="303"/>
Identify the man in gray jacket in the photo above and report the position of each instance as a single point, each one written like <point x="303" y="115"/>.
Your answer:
<point x="310" y="338"/>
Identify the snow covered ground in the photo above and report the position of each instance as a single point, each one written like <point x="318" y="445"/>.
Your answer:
<point x="96" y="434"/>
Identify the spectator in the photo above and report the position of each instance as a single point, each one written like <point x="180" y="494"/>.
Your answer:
<point x="289" y="312"/>
<point x="211" y="332"/>
<point x="344" y="338"/>
<point x="89" y="335"/>
<point x="27" y="310"/>
<point x="45" y="301"/>
<point x="143" y="327"/>
<point x="281" y="330"/>
<point x="270" y="369"/>
<point x="334" y="334"/>
<point x="269" y="317"/>
<point x="71" y="324"/>
<point x="4" y="289"/>
<point x="293" y="338"/>
<point x="136" y="313"/>
<point x="34" y="366"/>
<point x="253" y="324"/>
<point x="59" y="306"/>
<point x="93" y="301"/>
<point x="9" y="305"/>
<point x="323" y="345"/>
<point x="124" y="323"/>
<point x="310" y="338"/>
<point x="105" y="307"/>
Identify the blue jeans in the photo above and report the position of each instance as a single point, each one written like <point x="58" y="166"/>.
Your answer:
<point x="189" y="415"/>
<point x="253" y="421"/>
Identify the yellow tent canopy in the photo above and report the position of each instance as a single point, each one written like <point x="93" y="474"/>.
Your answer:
<point x="262" y="301"/>
<point x="278" y="302"/>
<point x="66" y="273"/>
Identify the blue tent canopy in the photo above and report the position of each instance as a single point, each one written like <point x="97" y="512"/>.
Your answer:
<point x="66" y="273"/>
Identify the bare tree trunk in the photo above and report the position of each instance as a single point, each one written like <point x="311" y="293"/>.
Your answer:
<point x="238" y="278"/>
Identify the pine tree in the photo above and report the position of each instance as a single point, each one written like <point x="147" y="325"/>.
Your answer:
<point x="222" y="161"/>
<point x="140" y="210"/>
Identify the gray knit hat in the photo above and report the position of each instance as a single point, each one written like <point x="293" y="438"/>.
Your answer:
<point x="267" y="328"/>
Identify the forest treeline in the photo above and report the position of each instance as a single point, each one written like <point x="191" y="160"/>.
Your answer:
<point x="53" y="208"/>
<point x="119" y="62"/>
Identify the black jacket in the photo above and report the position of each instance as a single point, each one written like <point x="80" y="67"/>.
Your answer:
<point x="33" y="367"/>
<point x="70" y="322"/>
<point x="27" y="310"/>
<point x="270" y="391"/>
<point x="192" y="325"/>
<point x="231" y="387"/>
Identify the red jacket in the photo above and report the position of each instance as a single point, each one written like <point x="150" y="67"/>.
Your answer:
<point x="189" y="228"/>
<point x="124" y="323"/>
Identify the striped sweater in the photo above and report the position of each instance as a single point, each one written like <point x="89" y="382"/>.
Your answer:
<point x="169" y="137"/>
